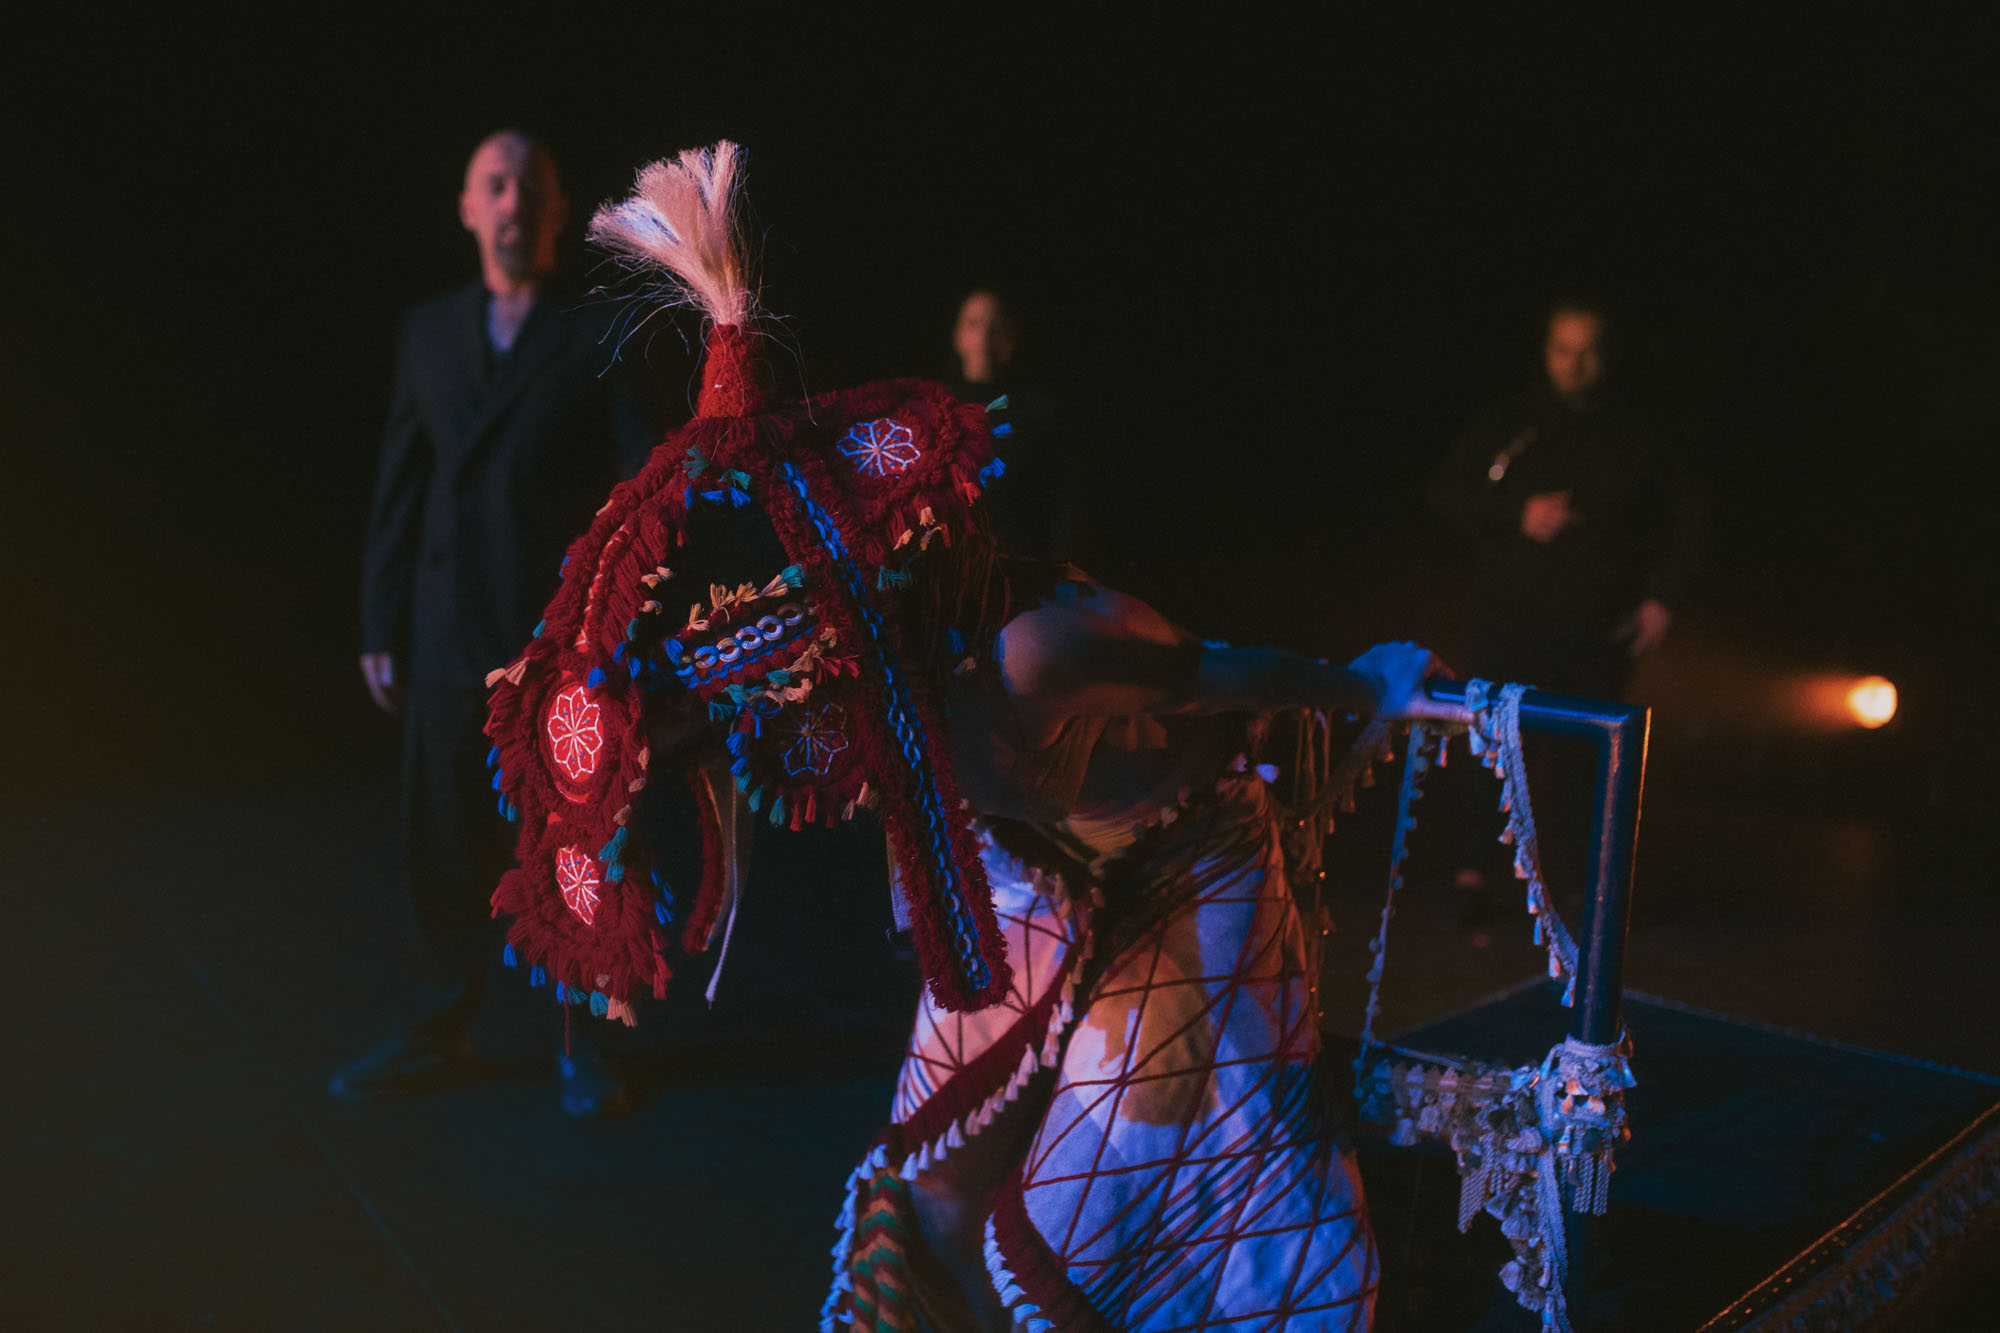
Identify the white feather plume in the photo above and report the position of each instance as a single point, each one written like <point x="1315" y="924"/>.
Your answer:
<point x="681" y="218"/>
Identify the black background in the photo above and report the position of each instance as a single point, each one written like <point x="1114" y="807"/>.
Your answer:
<point x="1269" y="264"/>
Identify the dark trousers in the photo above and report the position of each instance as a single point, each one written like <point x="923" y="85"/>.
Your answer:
<point x="456" y="845"/>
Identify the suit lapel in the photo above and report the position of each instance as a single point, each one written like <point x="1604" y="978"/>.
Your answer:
<point x="539" y="340"/>
<point x="459" y="360"/>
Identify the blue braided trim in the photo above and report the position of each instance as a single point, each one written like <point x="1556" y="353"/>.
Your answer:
<point x="909" y="730"/>
<point x="692" y="677"/>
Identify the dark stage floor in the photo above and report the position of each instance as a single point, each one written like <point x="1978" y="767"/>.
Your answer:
<point x="191" y="963"/>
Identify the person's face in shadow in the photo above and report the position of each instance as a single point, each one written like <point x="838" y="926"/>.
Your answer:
<point x="1573" y="356"/>
<point x="513" y="205"/>
<point x="983" y="338"/>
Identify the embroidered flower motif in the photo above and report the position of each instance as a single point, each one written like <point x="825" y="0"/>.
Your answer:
<point x="576" y="876"/>
<point x="812" y="737"/>
<point x="881" y="447"/>
<point x="575" y="738"/>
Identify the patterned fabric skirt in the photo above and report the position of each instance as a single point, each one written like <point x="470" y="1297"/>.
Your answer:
<point x="1185" y="1170"/>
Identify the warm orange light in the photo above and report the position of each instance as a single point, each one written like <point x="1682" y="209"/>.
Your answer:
<point x="1872" y="701"/>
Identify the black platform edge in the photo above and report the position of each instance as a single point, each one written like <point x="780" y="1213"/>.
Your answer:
<point x="1886" y="1249"/>
<point x="1527" y="983"/>
<point x="1877" y="1264"/>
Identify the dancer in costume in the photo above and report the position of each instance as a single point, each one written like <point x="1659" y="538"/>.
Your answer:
<point x="1140" y="1138"/>
<point x="844" y="598"/>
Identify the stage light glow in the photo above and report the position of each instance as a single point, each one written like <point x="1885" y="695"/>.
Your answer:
<point x="1827" y="701"/>
<point x="1871" y="701"/>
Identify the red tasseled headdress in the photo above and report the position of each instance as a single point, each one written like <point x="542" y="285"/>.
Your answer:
<point x="811" y="684"/>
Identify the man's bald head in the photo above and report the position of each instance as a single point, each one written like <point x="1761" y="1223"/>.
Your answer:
<point x="513" y="205"/>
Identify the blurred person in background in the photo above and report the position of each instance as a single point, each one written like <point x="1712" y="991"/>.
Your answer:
<point x="1582" y="527"/>
<point x="504" y="433"/>
<point x="1034" y="506"/>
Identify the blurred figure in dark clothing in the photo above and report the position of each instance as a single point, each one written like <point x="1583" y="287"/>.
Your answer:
<point x="1581" y="518"/>
<point x="1582" y="524"/>
<point x="1033" y="507"/>
<point x="504" y="433"/>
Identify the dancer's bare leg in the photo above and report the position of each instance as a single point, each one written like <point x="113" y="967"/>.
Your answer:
<point x="953" y="1197"/>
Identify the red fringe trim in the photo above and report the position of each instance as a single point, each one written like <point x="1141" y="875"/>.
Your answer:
<point x="882" y="754"/>
<point x="972" y="1086"/>
<point x="1036" y="1267"/>
<point x="601" y="593"/>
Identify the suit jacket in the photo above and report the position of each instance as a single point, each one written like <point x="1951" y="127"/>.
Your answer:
<point x="1642" y="516"/>
<point x="491" y="464"/>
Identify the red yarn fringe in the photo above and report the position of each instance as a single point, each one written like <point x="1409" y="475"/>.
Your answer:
<point x="636" y="531"/>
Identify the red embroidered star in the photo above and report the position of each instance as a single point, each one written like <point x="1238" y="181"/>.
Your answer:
<point x="574" y="735"/>
<point x="576" y="876"/>
<point x="881" y="447"/>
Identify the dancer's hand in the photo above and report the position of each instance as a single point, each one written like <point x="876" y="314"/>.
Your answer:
<point x="379" y="670"/>
<point x="1399" y="671"/>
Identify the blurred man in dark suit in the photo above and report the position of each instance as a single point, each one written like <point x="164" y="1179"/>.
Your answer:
<point x="1580" y="514"/>
<point x="1583" y="525"/>
<point x="505" y="431"/>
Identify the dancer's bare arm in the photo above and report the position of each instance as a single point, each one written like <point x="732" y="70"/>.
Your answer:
<point x="1093" y="650"/>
